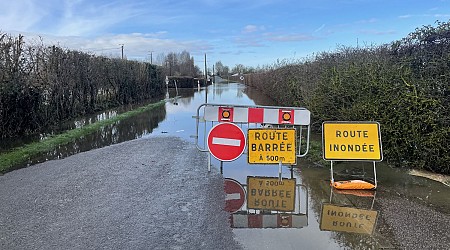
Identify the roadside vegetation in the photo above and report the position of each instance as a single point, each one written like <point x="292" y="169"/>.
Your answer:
<point x="405" y="86"/>
<point x="43" y="86"/>
<point x="21" y="155"/>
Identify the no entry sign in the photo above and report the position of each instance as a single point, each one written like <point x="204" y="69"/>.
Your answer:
<point x="226" y="141"/>
<point x="235" y="195"/>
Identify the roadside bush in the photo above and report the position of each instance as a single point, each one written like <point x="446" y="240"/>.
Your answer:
<point x="44" y="86"/>
<point x="403" y="85"/>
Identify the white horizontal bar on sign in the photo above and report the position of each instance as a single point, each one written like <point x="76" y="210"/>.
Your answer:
<point x="302" y="117"/>
<point x="234" y="196"/>
<point x="226" y="141"/>
<point x="211" y="113"/>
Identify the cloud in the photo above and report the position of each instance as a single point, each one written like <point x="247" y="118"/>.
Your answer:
<point x="377" y="32"/>
<point x="405" y="16"/>
<point x="136" y="45"/>
<point x="289" y="37"/>
<point x="19" y="15"/>
<point x="88" y="18"/>
<point x="253" y="41"/>
<point x="65" y="18"/>
<point x="320" y="28"/>
<point x="252" y="28"/>
<point x="371" y="20"/>
<point x="437" y="15"/>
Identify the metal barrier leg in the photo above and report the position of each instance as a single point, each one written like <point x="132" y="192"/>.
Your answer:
<point x="375" y="174"/>
<point x="280" y="171"/>
<point x="209" y="162"/>
<point x="332" y="177"/>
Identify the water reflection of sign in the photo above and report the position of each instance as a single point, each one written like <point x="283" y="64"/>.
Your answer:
<point x="272" y="146"/>
<point x="239" y="220"/>
<point x="351" y="141"/>
<point x="347" y="219"/>
<point x="269" y="193"/>
<point x="234" y="195"/>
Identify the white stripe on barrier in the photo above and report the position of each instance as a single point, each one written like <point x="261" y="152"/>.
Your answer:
<point x="211" y="113"/>
<point x="271" y="116"/>
<point x="302" y="117"/>
<point x="240" y="115"/>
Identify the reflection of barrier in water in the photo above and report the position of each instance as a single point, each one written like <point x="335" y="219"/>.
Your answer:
<point x="343" y="218"/>
<point x="272" y="203"/>
<point x="244" y="220"/>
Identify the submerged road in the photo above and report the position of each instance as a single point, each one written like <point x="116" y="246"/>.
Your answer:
<point x="152" y="193"/>
<point x="156" y="193"/>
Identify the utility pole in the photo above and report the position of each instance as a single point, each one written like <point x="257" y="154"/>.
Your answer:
<point x="206" y="82"/>
<point x="151" y="57"/>
<point x="122" y="49"/>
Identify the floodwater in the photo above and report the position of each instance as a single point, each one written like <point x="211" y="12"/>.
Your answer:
<point x="321" y="218"/>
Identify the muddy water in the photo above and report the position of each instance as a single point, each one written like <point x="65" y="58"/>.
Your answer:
<point x="175" y="119"/>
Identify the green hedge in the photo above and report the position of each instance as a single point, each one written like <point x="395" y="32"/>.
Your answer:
<point x="403" y="85"/>
<point x="42" y="86"/>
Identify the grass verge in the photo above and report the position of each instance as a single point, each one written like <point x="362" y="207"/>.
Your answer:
<point x="21" y="155"/>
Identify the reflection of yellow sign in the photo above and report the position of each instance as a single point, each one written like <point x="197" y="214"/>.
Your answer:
<point x="351" y="141"/>
<point x="269" y="193"/>
<point x="347" y="219"/>
<point x="272" y="146"/>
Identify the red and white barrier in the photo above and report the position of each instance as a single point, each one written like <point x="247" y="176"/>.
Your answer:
<point x="257" y="114"/>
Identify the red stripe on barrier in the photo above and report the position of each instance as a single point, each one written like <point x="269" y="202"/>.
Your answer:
<point x="255" y="221"/>
<point x="255" y="115"/>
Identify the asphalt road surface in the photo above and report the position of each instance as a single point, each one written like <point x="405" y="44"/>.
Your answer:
<point x="156" y="193"/>
<point x="152" y="193"/>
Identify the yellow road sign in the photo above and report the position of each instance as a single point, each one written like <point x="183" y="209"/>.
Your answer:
<point x="351" y="141"/>
<point x="269" y="193"/>
<point x="347" y="219"/>
<point x="272" y="146"/>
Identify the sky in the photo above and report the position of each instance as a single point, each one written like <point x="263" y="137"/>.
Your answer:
<point x="254" y="33"/>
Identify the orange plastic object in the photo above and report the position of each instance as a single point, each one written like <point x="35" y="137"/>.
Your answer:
<point x="353" y="184"/>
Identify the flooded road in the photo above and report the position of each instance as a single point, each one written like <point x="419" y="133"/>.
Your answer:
<point x="405" y="212"/>
<point x="422" y="196"/>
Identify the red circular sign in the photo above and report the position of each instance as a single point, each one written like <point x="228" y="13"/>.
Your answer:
<point x="234" y="195"/>
<point x="226" y="141"/>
